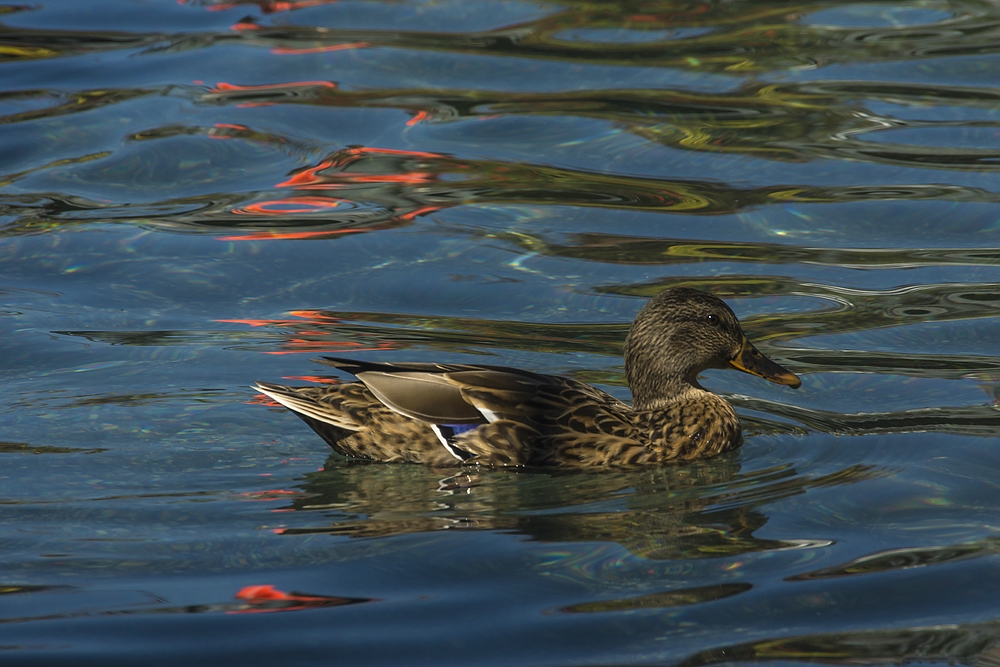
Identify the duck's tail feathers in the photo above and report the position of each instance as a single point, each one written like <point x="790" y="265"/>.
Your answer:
<point x="331" y="424"/>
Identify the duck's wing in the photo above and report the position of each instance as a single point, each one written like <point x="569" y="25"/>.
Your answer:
<point x="542" y="399"/>
<point x="435" y="393"/>
<point x="426" y="397"/>
<point x="517" y="417"/>
<point x="549" y="421"/>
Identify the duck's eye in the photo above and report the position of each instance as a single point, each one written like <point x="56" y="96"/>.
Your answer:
<point x="712" y="319"/>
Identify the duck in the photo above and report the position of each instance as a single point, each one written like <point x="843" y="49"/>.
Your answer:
<point x="446" y="415"/>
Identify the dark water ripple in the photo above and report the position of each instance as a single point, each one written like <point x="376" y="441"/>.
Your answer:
<point x="899" y="559"/>
<point x="968" y="644"/>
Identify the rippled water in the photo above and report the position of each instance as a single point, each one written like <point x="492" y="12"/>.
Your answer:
<point x="196" y="195"/>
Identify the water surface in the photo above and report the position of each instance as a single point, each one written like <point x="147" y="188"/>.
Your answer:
<point x="196" y="195"/>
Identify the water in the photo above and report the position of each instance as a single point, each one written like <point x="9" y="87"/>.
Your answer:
<point x="198" y="195"/>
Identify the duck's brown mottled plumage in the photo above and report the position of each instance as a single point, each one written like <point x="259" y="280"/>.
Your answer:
<point x="419" y="413"/>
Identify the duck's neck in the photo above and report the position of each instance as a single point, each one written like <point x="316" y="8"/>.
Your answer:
<point x="658" y="373"/>
<point x="654" y="389"/>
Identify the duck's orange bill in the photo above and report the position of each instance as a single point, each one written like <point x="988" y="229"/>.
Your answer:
<point x="749" y="360"/>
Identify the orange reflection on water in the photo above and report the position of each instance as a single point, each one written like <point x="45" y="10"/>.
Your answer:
<point x="283" y="51"/>
<point x="318" y="379"/>
<point x="227" y="131"/>
<point x="266" y="6"/>
<point x="420" y="211"/>
<point x="262" y="323"/>
<point x="421" y="115"/>
<point x="316" y="315"/>
<point x="272" y="236"/>
<point x="313" y="178"/>
<point x="261" y="399"/>
<point x="311" y="334"/>
<point x="377" y="187"/>
<point x="223" y="87"/>
<point x="264" y="598"/>
<point x="291" y="205"/>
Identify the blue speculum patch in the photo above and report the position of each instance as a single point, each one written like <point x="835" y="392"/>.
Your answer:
<point x="459" y="429"/>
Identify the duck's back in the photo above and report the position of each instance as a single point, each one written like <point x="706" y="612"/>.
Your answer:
<point x="563" y="422"/>
<point x="523" y="419"/>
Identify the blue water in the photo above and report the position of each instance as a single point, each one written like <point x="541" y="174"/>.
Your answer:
<point x="195" y="196"/>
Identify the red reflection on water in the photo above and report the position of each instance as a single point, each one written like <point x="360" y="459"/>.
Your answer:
<point x="283" y="51"/>
<point x="266" y="598"/>
<point x="352" y="172"/>
<point x="291" y="205"/>
<point x="319" y="379"/>
<point x="261" y="399"/>
<point x="420" y="211"/>
<point x="313" y="178"/>
<point x="227" y="131"/>
<point x="266" y="6"/>
<point x="421" y="115"/>
<point x="310" y="337"/>
<point x="223" y="87"/>
<point x="262" y="323"/>
<point x="317" y="315"/>
<point x="307" y="177"/>
<point x="271" y="236"/>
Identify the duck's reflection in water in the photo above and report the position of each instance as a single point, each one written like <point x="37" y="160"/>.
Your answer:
<point x="975" y="644"/>
<point x="705" y="509"/>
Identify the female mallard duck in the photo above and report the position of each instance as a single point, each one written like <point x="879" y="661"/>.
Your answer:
<point x="455" y="414"/>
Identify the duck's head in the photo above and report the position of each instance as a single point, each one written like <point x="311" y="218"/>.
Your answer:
<point x="680" y="333"/>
